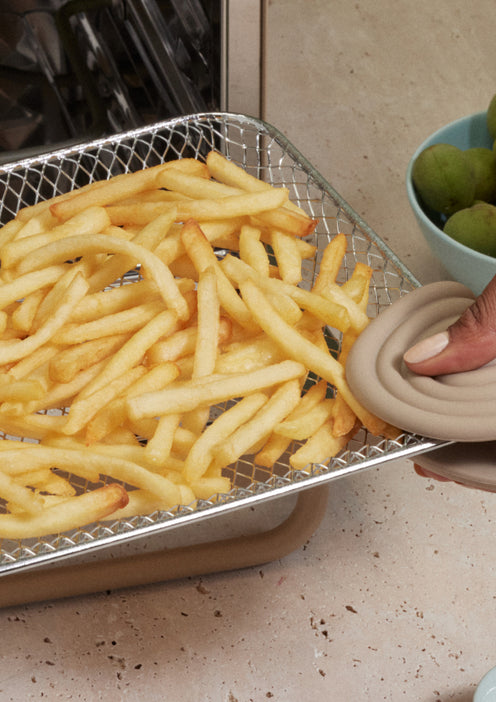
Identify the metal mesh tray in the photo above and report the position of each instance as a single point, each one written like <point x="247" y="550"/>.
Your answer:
<point x="266" y="153"/>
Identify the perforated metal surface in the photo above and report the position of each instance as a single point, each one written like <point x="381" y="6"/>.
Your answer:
<point x="266" y="153"/>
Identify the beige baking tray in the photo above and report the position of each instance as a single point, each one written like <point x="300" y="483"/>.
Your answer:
<point x="55" y="566"/>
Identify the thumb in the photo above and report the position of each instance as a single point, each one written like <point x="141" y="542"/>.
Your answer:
<point x="467" y="344"/>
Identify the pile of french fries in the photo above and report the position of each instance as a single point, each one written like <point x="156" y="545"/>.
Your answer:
<point x="111" y="376"/>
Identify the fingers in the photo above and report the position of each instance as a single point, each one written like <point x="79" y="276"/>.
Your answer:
<point x="469" y="343"/>
<point x="427" y="474"/>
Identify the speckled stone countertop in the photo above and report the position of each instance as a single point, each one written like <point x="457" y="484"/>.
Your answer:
<point x="393" y="597"/>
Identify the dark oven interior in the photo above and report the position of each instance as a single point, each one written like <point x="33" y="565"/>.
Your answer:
<point x="81" y="69"/>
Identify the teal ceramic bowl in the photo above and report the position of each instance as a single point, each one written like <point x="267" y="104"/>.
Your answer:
<point x="486" y="689"/>
<point x="469" y="267"/>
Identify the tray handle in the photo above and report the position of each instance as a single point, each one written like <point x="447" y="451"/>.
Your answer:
<point x="37" y="585"/>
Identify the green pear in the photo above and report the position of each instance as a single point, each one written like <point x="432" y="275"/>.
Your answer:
<point x="444" y="178"/>
<point x="483" y="163"/>
<point x="491" y="118"/>
<point x="474" y="227"/>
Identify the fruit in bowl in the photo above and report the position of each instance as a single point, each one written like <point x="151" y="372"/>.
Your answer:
<point x="451" y="187"/>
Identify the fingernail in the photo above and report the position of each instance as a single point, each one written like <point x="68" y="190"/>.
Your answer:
<point x="427" y="348"/>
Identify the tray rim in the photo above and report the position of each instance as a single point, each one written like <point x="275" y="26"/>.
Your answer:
<point x="264" y="491"/>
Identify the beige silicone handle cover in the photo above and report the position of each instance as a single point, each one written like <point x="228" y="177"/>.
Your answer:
<point x="460" y="407"/>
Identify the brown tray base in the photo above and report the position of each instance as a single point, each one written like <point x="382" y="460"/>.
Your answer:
<point x="70" y="580"/>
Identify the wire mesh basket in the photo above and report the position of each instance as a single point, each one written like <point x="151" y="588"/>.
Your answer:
<point x="267" y="154"/>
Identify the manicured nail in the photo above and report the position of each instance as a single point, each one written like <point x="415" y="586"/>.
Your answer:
<point x="427" y="348"/>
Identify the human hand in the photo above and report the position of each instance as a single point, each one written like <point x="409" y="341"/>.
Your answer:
<point x="467" y="344"/>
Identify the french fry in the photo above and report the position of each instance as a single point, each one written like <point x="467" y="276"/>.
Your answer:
<point x="202" y="255"/>
<point x="301" y="349"/>
<point x="225" y="171"/>
<point x="193" y="394"/>
<point x="127" y="321"/>
<point x="21" y="391"/>
<point x="207" y="337"/>
<point x="69" y="514"/>
<point x="114" y="414"/>
<point x="86" y="404"/>
<point x="117" y="188"/>
<point x="357" y="287"/>
<point x="59" y="251"/>
<point x="221" y="208"/>
<point x="278" y="443"/>
<point x="200" y="454"/>
<point x="304" y="426"/>
<point x="332" y="313"/>
<point x="252" y="251"/>
<point x="89" y="222"/>
<point x="319" y="447"/>
<point x="19" y="348"/>
<point x="25" y="285"/>
<point x="245" y="438"/>
<point x="287" y="256"/>
<point x="66" y="364"/>
<point x="159" y="446"/>
<point x="330" y="263"/>
<point x="132" y="351"/>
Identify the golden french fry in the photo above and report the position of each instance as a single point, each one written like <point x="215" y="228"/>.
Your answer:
<point x="83" y="224"/>
<point x="200" y="454"/>
<point x="207" y="338"/>
<point x="66" y="364"/>
<point x="16" y="349"/>
<point x="320" y="447"/>
<point x="195" y="187"/>
<point x="331" y="261"/>
<point x="245" y="438"/>
<point x="116" y="299"/>
<point x="252" y="251"/>
<point x="247" y="355"/>
<point x="301" y="349"/>
<point x="36" y="225"/>
<point x="23" y="316"/>
<point x="114" y="414"/>
<point x="206" y="487"/>
<point x="192" y="394"/>
<point x="330" y="312"/>
<point x="287" y="256"/>
<point x="71" y="513"/>
<point x="272" y="450"/>
<point x="201" y="253"/>
<point x="226" y="171"/>
<point x="132" y="351"/>
<point x="22" y="391"/>
<point x="9" y="231"/>
<point x="277" y="444"/>
<point x="127" y="321"/>
<point x="221" y="233"/>
<point x="343" y="417"/>
<point x="221" y="208"/>
<point x="109" y="191"/>
<point x="59" y="251"/>
<point x="302" y="427"/>
<point x="20" y="495"/>
<point x="286" y="221"/>
<point x="86" y="404"/>
<point x="22" y="286"/>
<point x="159" y="446"/>
<point x="54" y="484"/>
